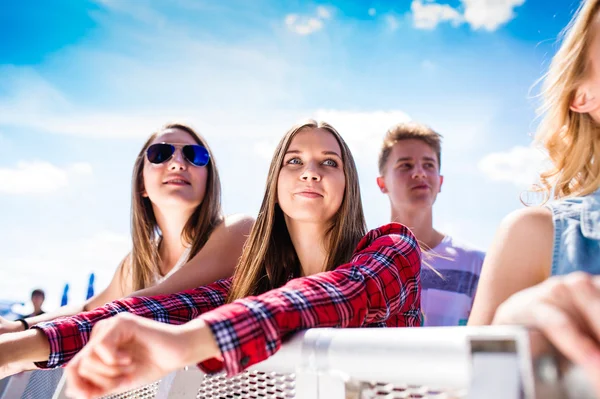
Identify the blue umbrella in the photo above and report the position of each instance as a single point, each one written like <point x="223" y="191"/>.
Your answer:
<point x="65" y="296"/>
<point x="90" y="291"/>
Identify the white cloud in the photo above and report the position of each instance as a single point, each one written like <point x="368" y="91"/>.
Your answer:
<point x="306" y="25"/>
<point x="39" y="177"/>
<point x="479" y="14"/>
<point x="429" y="15"/>
<point x="362" y="131"/>
<point x="489" y="14"/>
<point x="519" y="165"/>
<point x="323" y="12"/>
<point x="372" y="12"/>
<point x="53" y="262"/>
<point x="265" y="148"/>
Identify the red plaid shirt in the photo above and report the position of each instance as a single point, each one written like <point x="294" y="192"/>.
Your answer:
<point x="379" y="287"/>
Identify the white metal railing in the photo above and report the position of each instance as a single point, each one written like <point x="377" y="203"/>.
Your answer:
<point x="391" y="363"/>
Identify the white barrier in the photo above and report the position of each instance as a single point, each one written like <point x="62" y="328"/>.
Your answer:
<point x="390" y="363"/>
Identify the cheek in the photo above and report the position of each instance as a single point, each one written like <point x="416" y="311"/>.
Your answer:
<point x="339" y="187"/>
<point x="201" y="178"/>
<point x="147" y="177"/>
<point x="282" y="185"/>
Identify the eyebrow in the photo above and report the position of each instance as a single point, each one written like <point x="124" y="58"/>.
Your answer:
<point x="324" y="153"/>
<point x="402" y="159"/>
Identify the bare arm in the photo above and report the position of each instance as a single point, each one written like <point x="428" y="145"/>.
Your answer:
<point x="216" y="260"/>
<point x="520" y="257"/>
<point x="115" y="290"/>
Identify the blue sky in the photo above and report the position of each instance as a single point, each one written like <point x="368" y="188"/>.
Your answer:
<point x="82" y="84"/>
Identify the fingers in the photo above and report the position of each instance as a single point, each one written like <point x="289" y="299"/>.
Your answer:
<point x="563" y="331"/>
<point x="586" y="296"/>
<point x="101" y="367"/>
<point x="77" y="386"/>
<point x="89" y="376"/>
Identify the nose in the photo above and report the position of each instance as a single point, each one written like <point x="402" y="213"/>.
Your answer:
<point x="310" y="173"/>
<point x="177" y="162"/>
<point x="418" y="172"/>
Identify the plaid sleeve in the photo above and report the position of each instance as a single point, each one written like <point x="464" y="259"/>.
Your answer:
<point x="380" y="283"/>
<point x="68" y="335"/>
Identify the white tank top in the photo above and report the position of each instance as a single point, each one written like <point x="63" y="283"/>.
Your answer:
<point x="180" y="262"/>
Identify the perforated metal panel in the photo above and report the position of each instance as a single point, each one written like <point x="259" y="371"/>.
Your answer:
<point x="381" y="390"/>
<point x="42" y="384"/>
<point x="249" y="385"/>
<point x="145" y="392"/>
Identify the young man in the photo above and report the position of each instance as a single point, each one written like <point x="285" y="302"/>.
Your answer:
<point x="409" y="168"/>
<point x="37" y="299"/>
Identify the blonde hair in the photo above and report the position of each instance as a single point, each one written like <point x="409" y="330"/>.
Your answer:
<point x="571" y="138"/>
<point x="269" y="259"/>
<point x="144" y="260"/>
<point x="407" y="131"/>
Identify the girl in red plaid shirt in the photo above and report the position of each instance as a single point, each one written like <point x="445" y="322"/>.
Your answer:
<point x="307" y="263"/>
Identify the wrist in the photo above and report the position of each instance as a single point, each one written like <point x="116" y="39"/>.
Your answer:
<point x="199" y="342"/>
<point x="20" y="325"/>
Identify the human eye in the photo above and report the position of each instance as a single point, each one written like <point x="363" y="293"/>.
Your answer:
<point x="330" y="162"/>
<point x="294" y="161"/>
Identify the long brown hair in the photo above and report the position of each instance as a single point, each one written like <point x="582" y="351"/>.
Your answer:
<point x="144" y="259"/>
<point x="571" y="138"/>
<point x="269" y="259"/>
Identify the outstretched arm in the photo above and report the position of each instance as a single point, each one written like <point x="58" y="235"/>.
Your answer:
<point x="380" y="285"/>
<point x="54" y="343"/>
<point x="216" y="260"/>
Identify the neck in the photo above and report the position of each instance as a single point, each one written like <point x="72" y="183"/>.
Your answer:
<point x="420" y="222"/>
<point x="171" y="225"/>
<point x="309" y="242"/>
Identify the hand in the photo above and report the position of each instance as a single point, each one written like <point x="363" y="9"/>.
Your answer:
<point x="8" y="326"/>
<point x="12" y="368"/>
<point x="124" y="352"/>
<point x="566" y="310"/>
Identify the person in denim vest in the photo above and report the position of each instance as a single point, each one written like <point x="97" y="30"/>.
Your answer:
<point x="563" y="235"/>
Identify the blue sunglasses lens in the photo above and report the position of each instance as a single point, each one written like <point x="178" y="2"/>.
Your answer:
<point x="196" y="154"/>
<point x="162" y="152"/>
<point x="159" y="153"/>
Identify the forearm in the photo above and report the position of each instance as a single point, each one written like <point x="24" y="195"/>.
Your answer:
<point x="27" y="346"/>
<point x="67" y="336"/>
<point x="63" y="311"/>
<point x="200" y="343"/>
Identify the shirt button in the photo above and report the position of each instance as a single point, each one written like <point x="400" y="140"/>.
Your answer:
<point x="244" y="361"/>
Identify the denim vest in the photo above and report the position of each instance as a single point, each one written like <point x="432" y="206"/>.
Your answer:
<point x="576" y="234"/>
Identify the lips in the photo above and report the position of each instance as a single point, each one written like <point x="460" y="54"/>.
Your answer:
<point x="420" y="187"/>
<point x="178" y="181"/>
<point x="309" y="193"/>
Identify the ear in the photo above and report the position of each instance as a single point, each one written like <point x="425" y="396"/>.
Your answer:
<point x="584" y="101"/>
<point x="441" y="183"/>
<point x="381" y="184"/>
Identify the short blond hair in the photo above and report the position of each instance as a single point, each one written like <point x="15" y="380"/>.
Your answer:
<point x="408" y="131"/>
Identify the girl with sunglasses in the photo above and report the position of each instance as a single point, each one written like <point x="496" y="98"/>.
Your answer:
<point x="307" y="263"/>
<point x="176" y="221"/>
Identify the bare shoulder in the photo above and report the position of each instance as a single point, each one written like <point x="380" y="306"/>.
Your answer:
<point x="525" y="240"/>
<point x="527" y="221"/>
<point x="234" y="226"/>
<point x="238" y="219"/>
